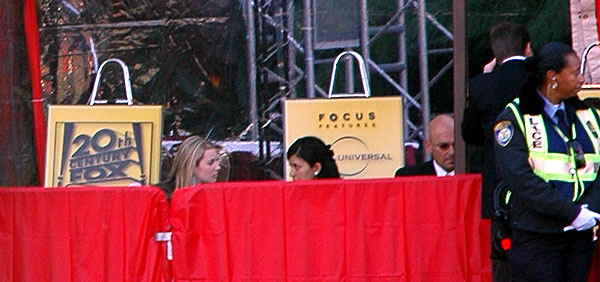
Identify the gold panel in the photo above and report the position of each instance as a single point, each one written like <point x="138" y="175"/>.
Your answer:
<point x="103" y="145"/>
<point x="366" y="134"/>
<point x="589" y="91"/>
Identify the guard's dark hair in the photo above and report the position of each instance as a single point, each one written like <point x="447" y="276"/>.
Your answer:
<point x="551" y="56"/>
<point x="508" y="39"/>
<point x="313" y="150"/>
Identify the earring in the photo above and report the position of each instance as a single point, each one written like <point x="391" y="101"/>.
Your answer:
<point x="317" y="172"/>
<point x="554" y="84"/>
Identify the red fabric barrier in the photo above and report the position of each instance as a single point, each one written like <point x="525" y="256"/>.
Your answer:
<point x="410" y="229"/>
<point x="32" y="37"/>
<point x="595" y="268"/>
<point x="417" y="229"/>
<point x="82" y="234"/>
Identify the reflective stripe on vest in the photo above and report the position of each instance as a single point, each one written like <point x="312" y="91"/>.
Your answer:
<point x="553" y="166"/>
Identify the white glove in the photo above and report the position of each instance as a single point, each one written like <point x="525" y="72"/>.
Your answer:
<point x="585" y="220"/>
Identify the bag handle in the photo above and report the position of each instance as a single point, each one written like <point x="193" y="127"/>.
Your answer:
<point x="129" y="99"/>
<point x="363" y="76"/>
<point x="585" y="54"/>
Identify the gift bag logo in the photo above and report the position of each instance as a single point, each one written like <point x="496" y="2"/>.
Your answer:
<point x="102" y="155"/>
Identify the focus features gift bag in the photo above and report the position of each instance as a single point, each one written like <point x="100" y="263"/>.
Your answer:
<point x="108" y="145"/>
<point x="366" y="134"/>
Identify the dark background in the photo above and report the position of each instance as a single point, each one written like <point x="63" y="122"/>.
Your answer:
<point x="210" y="91"/>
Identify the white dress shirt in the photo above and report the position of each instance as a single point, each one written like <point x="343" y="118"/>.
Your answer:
<point x="518" y="58"/>
<point x="440" y="171"/>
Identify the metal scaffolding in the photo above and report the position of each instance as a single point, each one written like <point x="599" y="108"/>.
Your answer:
<point x="280" y="58"/>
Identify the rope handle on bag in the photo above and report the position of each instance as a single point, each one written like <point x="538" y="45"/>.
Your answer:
<point x="363" y="76"/>
<point x="584" y="55"/>
<point x="129" y="99"/>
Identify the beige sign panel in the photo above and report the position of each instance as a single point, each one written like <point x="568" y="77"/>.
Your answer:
<point x="366" y="134"/>
<point x="589" y="91"/>
<point x="103" y="145"/>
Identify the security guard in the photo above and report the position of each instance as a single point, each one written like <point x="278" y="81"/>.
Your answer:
<point x="547" y="152"/>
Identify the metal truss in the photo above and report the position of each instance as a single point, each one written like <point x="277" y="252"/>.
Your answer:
<point x="281" y="61"/>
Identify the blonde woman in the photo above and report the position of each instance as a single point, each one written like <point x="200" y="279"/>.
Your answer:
<point x="196" y="161"/>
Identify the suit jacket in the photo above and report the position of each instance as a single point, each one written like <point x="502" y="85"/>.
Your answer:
<point x="488" y="95"/>
<point x="420" y="169"/>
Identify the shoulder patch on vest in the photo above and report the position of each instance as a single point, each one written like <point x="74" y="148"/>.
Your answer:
<point x="503" y="131"/>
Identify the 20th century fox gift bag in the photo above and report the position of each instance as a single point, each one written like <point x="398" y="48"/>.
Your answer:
<point x="107" y="145"/>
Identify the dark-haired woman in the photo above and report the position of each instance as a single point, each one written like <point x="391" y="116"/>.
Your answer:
<point x="547" y="151"/>
<point x="309" y="157"/>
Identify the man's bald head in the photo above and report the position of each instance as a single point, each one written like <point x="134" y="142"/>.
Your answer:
<point x="441" y="141"/>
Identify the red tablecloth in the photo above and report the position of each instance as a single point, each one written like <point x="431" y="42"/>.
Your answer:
<point x="82" y="234"/>
<point x="411" y="229"/>
<point x="419" y="229"/>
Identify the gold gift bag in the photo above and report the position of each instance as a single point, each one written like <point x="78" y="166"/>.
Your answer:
<point x="366" y="134"/>
<point x="110" y="145"/>
<point x="590" y="90"/>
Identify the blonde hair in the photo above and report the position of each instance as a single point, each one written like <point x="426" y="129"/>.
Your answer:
<point x="189" y="153"/>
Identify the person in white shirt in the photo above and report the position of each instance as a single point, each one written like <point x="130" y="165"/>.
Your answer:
<point x="441" y="146"/>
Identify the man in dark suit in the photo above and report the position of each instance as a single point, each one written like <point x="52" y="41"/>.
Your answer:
<point x="441" y="146"/>
<point x="490" y="92"/>
<point x="488" y="95"/>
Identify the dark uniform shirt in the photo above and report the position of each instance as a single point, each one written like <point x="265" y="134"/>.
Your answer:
<point x="536" y="205"/>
